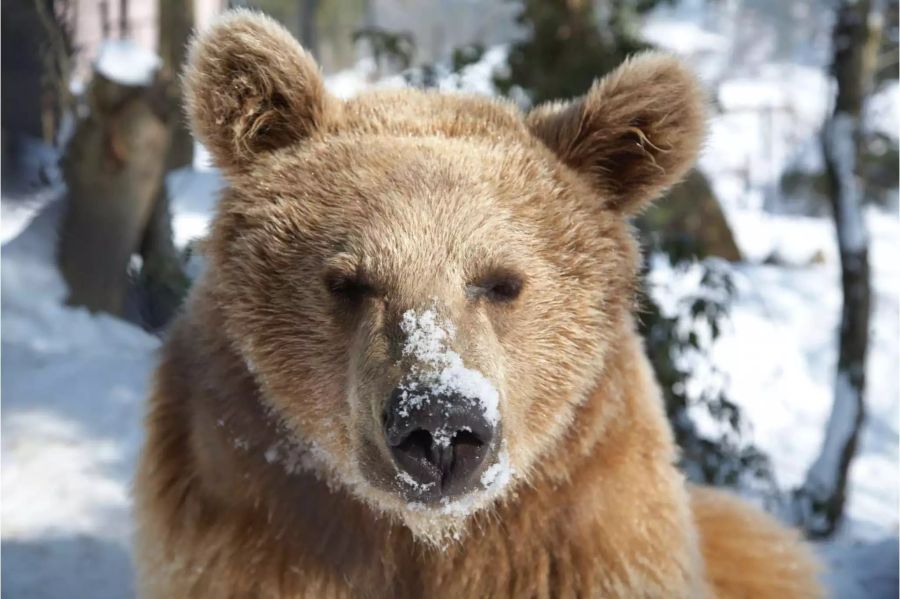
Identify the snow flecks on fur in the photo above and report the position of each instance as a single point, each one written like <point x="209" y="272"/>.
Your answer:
<point x="493" y="482"/>
<point x="251" y="367"/>
<point x="293" y="457"/>
<point x="499" y="474"/>
<point x="297" y="457"/>
<point x="409" y="481"/>
<point x="440" y="368"/>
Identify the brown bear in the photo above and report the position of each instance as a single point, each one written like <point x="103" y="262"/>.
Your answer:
<point x="411" y="369"/>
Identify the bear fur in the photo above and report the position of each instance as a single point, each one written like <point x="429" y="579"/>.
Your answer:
<point x="264" y="471"/>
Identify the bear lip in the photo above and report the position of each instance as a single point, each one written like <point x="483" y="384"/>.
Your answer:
<point x="432" y="481"/>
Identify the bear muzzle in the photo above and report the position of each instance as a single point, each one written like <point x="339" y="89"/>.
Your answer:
<point x="440" y="442"/>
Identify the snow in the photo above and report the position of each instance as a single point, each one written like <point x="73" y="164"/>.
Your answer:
<point x="127" y="63"/>
<point x="441" y="369"/>
<point x="880" y="112"/>
<point x="350" y="82"/>
<point x="820" y="479"/>
<point x="296" y="456"/>
<point x="499" y="473"/>
<point x="766" y="123"/>
<point x="476" y="78"/>
<point x="493" y="480"/>
<point x="193" y="195"/>
<point x="683" y="37"/>
<point x="73" y="387"/>
<point x="363" y="76"/>
<point x="848" y="561"/>
<point x="840" y="147"/>
<point x="409" y="481"/>
<point x="16" y="215"/>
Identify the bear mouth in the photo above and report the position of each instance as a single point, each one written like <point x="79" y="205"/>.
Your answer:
<point x="433" y="468"/>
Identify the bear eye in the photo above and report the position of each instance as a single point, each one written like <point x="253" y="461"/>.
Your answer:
<point x="351" y="288"/>
<point x="499" y="287"/>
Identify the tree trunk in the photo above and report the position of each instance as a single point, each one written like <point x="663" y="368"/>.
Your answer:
<point x="163" y="283"/>
<point x="819" y="503"/>
<point x="308" y="11"/>
<point x="176" y="21"/>
<point x="112" y="167"/>
<point x="56" y="56"/>
<point x="26" y="46"/>
<point x="124" y="31"/>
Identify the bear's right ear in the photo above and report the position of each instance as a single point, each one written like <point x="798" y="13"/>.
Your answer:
<point x="635" y="132"/>
<point x="251" y="89"/>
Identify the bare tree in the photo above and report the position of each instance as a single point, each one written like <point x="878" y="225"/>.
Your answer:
<point x="56" y="56"/>
<point x="105" y="25"/>
<point x="124" y="25"/>
<point x="176" y="21"/>
<point x="163" y="282"/>
<point x="819" y="503"/>
<point x="36" y="57"/>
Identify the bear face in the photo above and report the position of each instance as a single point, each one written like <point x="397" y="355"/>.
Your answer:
<point x="424" y="286"/>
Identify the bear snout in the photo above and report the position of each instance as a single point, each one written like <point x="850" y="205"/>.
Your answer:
<point x="439" y="442"/>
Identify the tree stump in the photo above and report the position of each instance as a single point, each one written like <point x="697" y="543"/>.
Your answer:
<point x="113" y="168"/>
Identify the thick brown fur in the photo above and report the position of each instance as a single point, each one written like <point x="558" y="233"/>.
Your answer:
<point x="265" y="472"/>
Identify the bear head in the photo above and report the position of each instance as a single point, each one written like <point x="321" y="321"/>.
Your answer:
<point x="425" y="285"/>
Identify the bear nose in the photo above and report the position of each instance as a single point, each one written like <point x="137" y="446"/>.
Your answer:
<point x="438" y="439"/>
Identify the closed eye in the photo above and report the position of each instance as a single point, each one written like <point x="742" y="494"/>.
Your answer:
<point x="500" y="286"/>
<point x="348" y="287"/>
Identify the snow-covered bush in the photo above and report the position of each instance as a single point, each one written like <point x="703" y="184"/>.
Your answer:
<point x="685" y="307"/>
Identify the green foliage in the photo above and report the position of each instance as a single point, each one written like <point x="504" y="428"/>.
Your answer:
<point x="678" y="345"/>
<point x="689" y="222"/>
<point x="878" y="159"/>
<point x="570" y="43"/>
<point x="889" y="52"/>
<point x="394" y="48"/>
<point x="430" y="74"/>
<point x="465" y="56"/>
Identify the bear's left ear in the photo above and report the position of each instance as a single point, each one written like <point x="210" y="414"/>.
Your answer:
<point x="251" y="89"/>
<point x="633" y="134"/>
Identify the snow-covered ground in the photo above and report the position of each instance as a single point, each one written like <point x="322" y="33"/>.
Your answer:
<point x="73" y="384"/>
<point x="72" y="387"/>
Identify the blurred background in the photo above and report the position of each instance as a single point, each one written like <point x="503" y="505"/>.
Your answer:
<point x="770" y="296"/>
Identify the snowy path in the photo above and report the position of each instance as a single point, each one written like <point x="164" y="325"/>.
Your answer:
<point x="73" y="387"/>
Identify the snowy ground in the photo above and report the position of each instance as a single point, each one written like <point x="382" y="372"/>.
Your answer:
<point x="73" y="384"/>
<point x="72" y="388"/>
